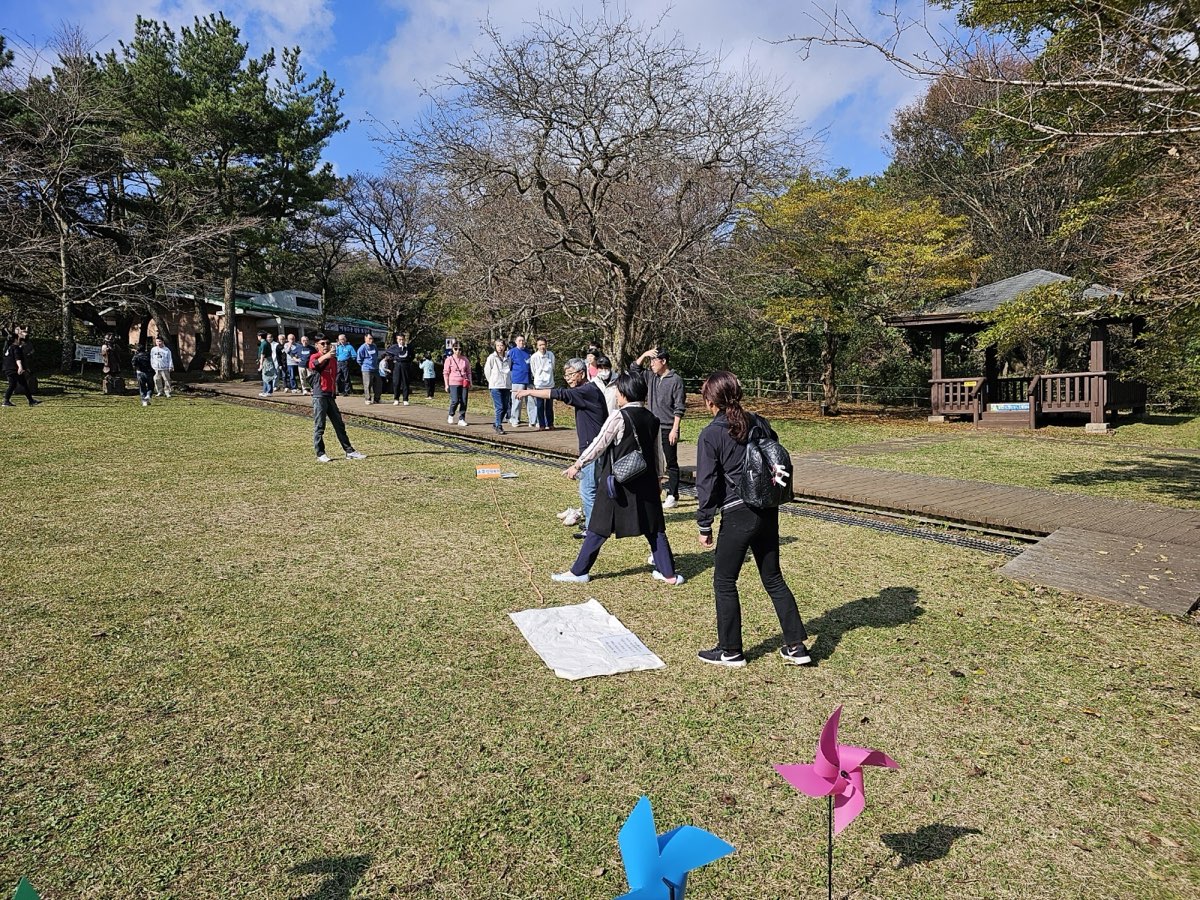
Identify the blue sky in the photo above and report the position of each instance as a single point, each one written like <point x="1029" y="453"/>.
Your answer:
<point x="381" y="53"/>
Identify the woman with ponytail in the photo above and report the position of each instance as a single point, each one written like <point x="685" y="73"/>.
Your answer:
<point x="720" y="453"/>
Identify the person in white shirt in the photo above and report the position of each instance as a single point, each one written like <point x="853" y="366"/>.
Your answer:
<point x="607" y="383"/>
<point x="541" y="369"/>
<point x="498" y="372"/>
<point x="162" y="363"/>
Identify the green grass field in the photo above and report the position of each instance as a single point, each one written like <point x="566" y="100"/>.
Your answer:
<point x="229" y="671"/>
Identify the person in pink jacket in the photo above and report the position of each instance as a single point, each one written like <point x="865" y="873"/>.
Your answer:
<point x="456" y="373"/>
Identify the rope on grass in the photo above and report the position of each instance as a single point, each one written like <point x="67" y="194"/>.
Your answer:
<point x="513" y="538"/>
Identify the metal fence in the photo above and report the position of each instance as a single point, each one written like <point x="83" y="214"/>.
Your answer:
<point x="814" y="392"/>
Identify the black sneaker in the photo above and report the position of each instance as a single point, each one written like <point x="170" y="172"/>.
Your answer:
<point x="579" y="535"/>
<point x="718" y="657"/>
<point x="35" y="402"/>
<point x="795" y="654"/>
<point x="9" y="403"/>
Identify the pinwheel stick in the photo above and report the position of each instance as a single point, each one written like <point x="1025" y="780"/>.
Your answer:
<point x="829" y="851"/>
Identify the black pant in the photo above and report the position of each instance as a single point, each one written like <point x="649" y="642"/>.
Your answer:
<point x="327" y="408"/>
<point x="343" y="376"/>
<point x="13" y="381"/>
<point x="429" y="388"/>
<point x="400" y="383"/>
<point x="745" y="527"/>
<point x="671" y="452"/>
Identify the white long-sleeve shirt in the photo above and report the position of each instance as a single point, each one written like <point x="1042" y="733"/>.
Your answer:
<point x="610" y="434"/>
<point x="160" y="359"/>
<point x="541" y="368"/>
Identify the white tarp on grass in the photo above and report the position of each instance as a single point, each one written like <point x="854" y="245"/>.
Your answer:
<point x="584" y="640"/>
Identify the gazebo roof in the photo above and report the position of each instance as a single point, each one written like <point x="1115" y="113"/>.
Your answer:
<point x="970" y="305"/>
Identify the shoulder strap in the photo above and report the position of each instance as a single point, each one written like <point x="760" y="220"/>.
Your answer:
<point x="632" y="426"/>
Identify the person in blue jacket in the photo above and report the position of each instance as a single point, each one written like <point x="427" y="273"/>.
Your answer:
<point x="519" y="355"/>
<point x="345" y="353"/>
<point x="368" y="361"/>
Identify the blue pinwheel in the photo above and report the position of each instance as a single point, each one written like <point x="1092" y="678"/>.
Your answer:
<point x="25" y="891"/>
<point x="656" y="865"/>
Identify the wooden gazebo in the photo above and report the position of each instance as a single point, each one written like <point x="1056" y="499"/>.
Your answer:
<point x="989" y="399"/>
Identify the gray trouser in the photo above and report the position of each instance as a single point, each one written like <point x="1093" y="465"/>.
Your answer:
<point x="325" y="408"/>
<point x="162" y="381"/>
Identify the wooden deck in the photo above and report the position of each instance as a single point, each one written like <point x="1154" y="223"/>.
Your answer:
<point x="1113" y="567"/>
<point x="1133" y="534"/>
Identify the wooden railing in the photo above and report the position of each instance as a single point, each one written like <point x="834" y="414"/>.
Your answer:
<point x="1008" y="390"/>
<point x="956" y="396"/>
<point x="1093" y="393"/>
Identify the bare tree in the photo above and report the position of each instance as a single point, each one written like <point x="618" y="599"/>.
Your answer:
<point x="391" y="218"/>
<point x="69" y="236"/>
<point x="601" y="162"/>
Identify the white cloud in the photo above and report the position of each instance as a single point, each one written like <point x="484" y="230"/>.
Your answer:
<point x="264" y="23"/>
<point x="859" y="85"/>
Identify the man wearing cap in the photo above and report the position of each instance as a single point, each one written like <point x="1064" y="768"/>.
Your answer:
<point x="591" y="411"/>
<point x="323" y="365"/>
<point x="667" y="399"/>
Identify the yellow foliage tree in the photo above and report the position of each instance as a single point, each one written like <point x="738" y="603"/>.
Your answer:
<point x="834" y="251"/>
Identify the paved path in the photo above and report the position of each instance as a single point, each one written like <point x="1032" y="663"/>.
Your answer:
<point x="1026" y="510"/>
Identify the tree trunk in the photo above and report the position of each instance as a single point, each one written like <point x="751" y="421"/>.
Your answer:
<point x="623" y="336"/>
<point x="783" y="352"/>
<point x="204" y="337"/>
<point x="228" y="327"/>
<point x="829" y="351"/>
<point x="67" y="363"/>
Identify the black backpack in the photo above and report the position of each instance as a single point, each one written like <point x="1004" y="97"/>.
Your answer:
<point x="766" y="471"/>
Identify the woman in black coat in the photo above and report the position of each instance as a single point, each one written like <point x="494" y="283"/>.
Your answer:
<point x="632" y="508"/>
<point x="720" y="453"/>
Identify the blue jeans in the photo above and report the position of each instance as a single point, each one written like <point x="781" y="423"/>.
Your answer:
<point x="291" y="374"/>
<point x="501" y="400"/>
<point x="545" y="416"/>
<point x="587" y="490"/>
<point x="458" y="400"/>
<point x="268" y="384"/>
<point x="514" y="417"/>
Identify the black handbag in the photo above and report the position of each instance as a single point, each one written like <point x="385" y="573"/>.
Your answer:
<point x="633" y="463"/>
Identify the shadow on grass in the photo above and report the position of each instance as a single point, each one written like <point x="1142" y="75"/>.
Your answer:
<point x="341" y="874"/>
<point x="927" y="844"/>
<point x="889" y="608"/>
<point x="1174" y="475"/>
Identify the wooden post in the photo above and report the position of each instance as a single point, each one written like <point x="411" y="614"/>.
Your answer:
<point x="1097" y="365"/>
<point x="938" y="337"/>
<point x="991" y="372"/>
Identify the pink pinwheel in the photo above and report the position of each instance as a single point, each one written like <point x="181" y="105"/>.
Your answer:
<point x="836" y="772"/>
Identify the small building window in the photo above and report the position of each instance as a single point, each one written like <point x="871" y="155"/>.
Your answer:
<point x="308" y="303"/>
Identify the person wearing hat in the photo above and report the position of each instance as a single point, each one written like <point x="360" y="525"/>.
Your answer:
<point x="667" y="399"/>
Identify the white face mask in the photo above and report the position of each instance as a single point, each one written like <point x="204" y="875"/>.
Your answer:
<point x="604" y="375"/>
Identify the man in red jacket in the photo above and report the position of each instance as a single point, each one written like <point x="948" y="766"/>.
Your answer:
<point x="323" y="365"/>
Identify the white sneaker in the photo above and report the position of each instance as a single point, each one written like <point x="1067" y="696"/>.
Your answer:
<point x="263" y="394"/>
<point x="573" y="519"/>
<point x="462" y="423"/>
<point x="324" y="457"/>
<point x="650" y="560"/>
<point x="570" y="577"/>
<point x="659" y="576"/>
<point x="566" y="512"/>
<point x="354" y="454"/>
<point x="368" y="402"/>
<point x="405" y="403"/>
<point x="670" y="502"/>
<point x="145" y="403"/>
<point x="397" y="403"/>
<point x="449" y="420"/>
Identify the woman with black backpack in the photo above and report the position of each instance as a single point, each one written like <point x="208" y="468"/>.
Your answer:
<point x="720" y="454"/>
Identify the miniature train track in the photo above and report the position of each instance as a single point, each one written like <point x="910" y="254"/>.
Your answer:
<point x="948" y="533"/>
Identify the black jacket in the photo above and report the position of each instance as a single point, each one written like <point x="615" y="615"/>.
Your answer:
<point x="719" y="461"/>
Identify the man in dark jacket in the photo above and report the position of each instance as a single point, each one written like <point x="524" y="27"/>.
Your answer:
<point x="590" y="412"/>
<point x="15" y="369"/>
<point x="667" y="399"/>
<point x="399" y="355"/>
